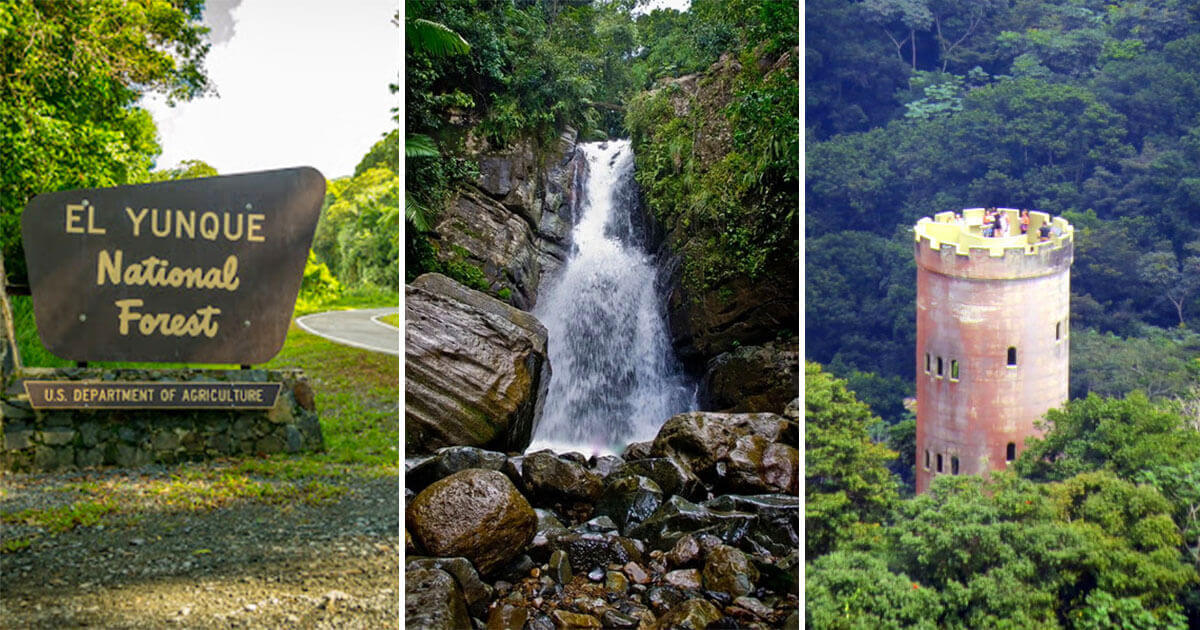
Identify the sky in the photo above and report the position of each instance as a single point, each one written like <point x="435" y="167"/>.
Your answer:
<point x="301" y="83"/>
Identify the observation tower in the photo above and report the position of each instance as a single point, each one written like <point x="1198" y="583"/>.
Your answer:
<point x="992" y="337"/>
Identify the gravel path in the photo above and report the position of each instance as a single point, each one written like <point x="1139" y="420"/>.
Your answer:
<point x="359" y="329"/>
<point x="245" y="564"/>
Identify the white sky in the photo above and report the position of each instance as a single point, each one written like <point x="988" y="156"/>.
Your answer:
<point x="301" y="83"/>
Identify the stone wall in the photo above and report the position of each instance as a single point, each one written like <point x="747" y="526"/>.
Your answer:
<point x="53" y="439"/>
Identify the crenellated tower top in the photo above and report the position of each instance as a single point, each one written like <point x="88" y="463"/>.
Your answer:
<point x="954" y="244"/>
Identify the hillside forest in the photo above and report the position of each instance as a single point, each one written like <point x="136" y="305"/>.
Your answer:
<point x="1085" y="109"/>
<point x="69" y="118"/>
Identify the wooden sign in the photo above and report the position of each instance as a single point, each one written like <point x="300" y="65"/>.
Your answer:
<point x="150" y="395"/>
<point x="192" y="271"/>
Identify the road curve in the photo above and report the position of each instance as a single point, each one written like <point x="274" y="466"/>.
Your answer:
<point x="360" y="329"/>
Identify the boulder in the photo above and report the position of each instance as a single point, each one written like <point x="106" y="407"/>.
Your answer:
<point x="678" y="516"/>
<point x="507" y="617"/>
<point x="550" y="478"/>
<point x="629" y="500"/>
<point x="671" y="475"/>
<point x="591" y="550"/>
<point x="776" y="525"/>
<point x="432" y="600"/>
<point x="476" y="514"/>
<point x="447" y="461"/>
<point x="728" y="570"/>
<point x="753" y="378"/>
<point x="476" y="369"/>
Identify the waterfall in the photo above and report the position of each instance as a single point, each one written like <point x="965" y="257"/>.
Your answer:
<point x="615" y="379"/>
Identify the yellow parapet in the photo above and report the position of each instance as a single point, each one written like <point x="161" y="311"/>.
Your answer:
<point x="965" y="231"/>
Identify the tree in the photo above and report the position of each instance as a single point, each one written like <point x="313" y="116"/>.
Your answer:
<point x="846" y="481"/>
<point x="73" y="72"/>
<point x="187" y="169"/>
<point x="1174" y="280"/>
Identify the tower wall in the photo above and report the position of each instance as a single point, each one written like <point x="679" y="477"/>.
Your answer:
<point x="995" y="313"/>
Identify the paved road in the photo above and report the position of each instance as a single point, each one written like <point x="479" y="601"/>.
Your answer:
<point x="360" y="329"/>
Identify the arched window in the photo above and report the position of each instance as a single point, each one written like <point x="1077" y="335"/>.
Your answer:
<point x="1057" y="331"/>
<point x="927" y="362"/>
<point x="939" y="366"/>
<point x="1010" y="452"/>
<point x="939" y="462"/>
<point x="1012" y="356"/>
<point x="926" y="459"/>
<point x="954" y="369"/>
<point x="954" y="465"/>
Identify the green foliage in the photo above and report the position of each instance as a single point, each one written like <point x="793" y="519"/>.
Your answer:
<point x="1161" y="364"/>
<point x="73" y="73"/>
<point x="846" y="477"/>
<point x="385" y="153"/>
<point x="1125" y="436"/>
<point x="318" y="284"/>
<point x="853" y="589"/>
<point x="358" y="235"/>
<point x="187" y="169"/>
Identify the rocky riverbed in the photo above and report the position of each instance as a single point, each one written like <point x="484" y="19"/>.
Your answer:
<point x="698" y="528"/>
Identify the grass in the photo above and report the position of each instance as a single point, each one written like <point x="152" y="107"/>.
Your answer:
<point x="357" y="397"/>
<point x="392" y="320"/>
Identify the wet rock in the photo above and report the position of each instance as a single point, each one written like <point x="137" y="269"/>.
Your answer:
<point x="686" y="579"/>
<point x="540" y="621"/>
<point x="781" y="468"/>
<point x="614" y="619"/>
<point x="616" y="582"/>
<point x="697" y="439"/>
<point x="664" y="598"/>
<point x="564" y="620"/>
<point x="605" y="465"/>
<point x="685" y="552"/>
<point x="549" y="528"/>
<point x="753" y="606"/>
<point x="507" y="617"/>
<point x="728" y="570"/>
<point x="694" y="614"/>
<point x="447" y="461"/>
<point x="432" y="600"/>
<point x="552" y="478"/>
<point x="560" y="567"/>
<point x="793" y="621"/>
<point x="792" y="411"/>
<point x="637" y="450"/>
<point x="476" y="369"/>
<point x="776" y="527"/>
<point x="629" y="500"/>
<point x="753" y="378"/>
<point x="596" y="574"/>
<point x="636" y="573"/>
<point x="476" y="514"/>
<point x="671" y="475"/>
<point x="678" y="516"/>
<point x="597" y="550"/>
<point x="517" y="569"/>
<point x="598" y="525"/>
<point x="476" y="593"/>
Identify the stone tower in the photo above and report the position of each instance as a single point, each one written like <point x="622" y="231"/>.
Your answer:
<point x="992" y="338"/>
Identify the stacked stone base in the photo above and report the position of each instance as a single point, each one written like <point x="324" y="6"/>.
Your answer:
<point x="76" y="438"/>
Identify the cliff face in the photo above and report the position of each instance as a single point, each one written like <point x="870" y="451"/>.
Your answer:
<point x="514" y="222"/>
<point x="729" y="258"/>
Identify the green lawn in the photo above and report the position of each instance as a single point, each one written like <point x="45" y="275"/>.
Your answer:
<point x="391" y="320"/>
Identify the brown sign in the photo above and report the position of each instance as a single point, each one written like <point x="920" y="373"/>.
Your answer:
<point x="193" y="271"/>
<point x="150" y="395"/>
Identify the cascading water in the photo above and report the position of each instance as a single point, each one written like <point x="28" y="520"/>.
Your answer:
<point x="614" y="378"/>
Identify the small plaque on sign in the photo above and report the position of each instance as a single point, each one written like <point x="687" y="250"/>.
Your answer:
<point x="150" y="395"/>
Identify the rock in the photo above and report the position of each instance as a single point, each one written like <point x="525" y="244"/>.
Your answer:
<point x="588" y="551"/>
<point x="518" y="569"/>
<point x="605" y="465"/>
<point x="792" y="411"/>
<point x="476" y="514"/>
<point x="560" y="567"/>
<point x="615" y="619"/>
<point x="637" y="450"/>
<point x="432" y="601"/>
<point x="476" y="369"/>
<point x="477" y="231"/>
<point x="540" y="621"/>
<point x="629" y="499"/>
<point x="793" y="621"/>
<point x="566" y="620"/>
<point x="729" y="571"/>
<point x="753" y="378"/>
<point x="616" y="582"/>
<point x="636" y="573"/>
<point x="754" y="606"/>
<point x="686" y="579"/>
<point x="697" y="439"/>
<point x="685" y="552"/>
<point x="693" y="614"/>
<point x="598" y="525"/>
<point x="664" y="598"/>
<point x="781" y="468"/>
<point x="548" y="530"/>
<point x="447" y="461"/>
<point x="476" y="593"/>
<point x="507" y="617"/>
<point x="671" y="475"/>
<point x="678" y="516"/>
<point x="552" y="478"/>
<point x="776" y="526"/>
